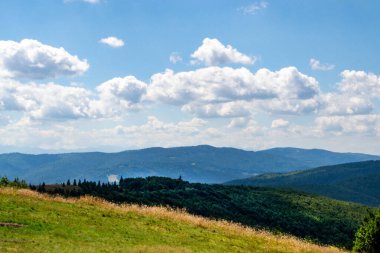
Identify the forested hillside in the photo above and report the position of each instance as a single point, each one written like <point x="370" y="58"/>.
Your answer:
<point x="205" y="164"/>
<point x="356" y="182"/>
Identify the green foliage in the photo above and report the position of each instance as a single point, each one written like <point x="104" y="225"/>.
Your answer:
<point x="368" y="236"/>
<point x="17" y="183"/>
<point x="315" y="218"/>
<point x="354" y="182"/>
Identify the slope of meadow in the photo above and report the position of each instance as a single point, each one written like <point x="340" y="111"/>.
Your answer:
<point x="32" y="222"/>
<point x="319" y="219"/>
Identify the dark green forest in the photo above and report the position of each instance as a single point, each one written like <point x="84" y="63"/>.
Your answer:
<point x="354" y="182"/>
<point x="314" y="218"/>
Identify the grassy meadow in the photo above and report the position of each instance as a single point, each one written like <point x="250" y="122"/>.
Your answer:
<point x="33" y="222"/>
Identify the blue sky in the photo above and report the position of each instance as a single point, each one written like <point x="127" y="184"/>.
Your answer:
<point x="110" y="75"/>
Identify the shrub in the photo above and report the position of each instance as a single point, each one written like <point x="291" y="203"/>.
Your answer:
<point x="368" y="236"/>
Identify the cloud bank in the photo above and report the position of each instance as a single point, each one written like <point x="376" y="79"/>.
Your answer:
<point x="263" y="106"/>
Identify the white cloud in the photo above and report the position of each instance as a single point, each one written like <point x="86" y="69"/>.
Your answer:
<point x="175" y="58"/>
<point x="112" y="42"/>
<point x="356" y="95"/>
<point x="280" y="123"/>
<point x="291" y="106"/>
<point x="119" y="94"/>
<point x="114" y="135"/>
<point x="238" y="122"/>
<point x="56" y="102"/>
<point x="212" y="52"/>
<point x="360" y="83"/>
<point x="317" y="65"/>
<point x="344" y="104"/>
<point x="45" y="101"/>
<point x="212" y="84"/>
<point x="355" y="124"/>
<point x="254" y="7"/>
<point x="33" y="60"/>
<point x="254" y="129"/>
<point x="58" y="137"/>
<point x="226" y="110"/>
<point x="215" y="84"/>
<point x="229" y="92"/>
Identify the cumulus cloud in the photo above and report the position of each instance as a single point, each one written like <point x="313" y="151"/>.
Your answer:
<point x="112" y="42"/>
<point x="280" y="123"/>
<point x="212" y="52"/>
<point x="57" y="102"/>
<point x="355" y="124"/>
<point x="360" y="83"/>
<point x="31" y="59"/>
<point x="45" y="101"/>
<point x="120" y="94"/>
<point x="229" y="92"/>
<point x="254" y="7"/>
<point x="29" y="109"/>
<point x="344" y="104"/>
<point x="175" y="58"/>
<point x="317" y="65"/>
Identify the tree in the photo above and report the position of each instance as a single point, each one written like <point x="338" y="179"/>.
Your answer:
<point x="4" y="181"/>
<point x="368" y="236"/>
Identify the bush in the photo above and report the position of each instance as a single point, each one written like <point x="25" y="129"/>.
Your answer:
<point x="368" y="236"/>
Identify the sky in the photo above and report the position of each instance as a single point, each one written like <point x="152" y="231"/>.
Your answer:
<point x="111" y="75"/>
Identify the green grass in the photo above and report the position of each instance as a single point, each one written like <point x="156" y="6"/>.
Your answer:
<point x="93" y="225"/>
<point x="319" y="219"/>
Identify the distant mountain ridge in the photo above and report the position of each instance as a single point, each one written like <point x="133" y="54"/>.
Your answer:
<point x="203" y="163"/>
<point x="356" y="182"/>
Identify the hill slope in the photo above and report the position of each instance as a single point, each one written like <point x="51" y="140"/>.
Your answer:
<point x="30" y="222"/>
<point x="356" y="182"/>
<point x="319" y="219"/>
<point x="197" y="164"/>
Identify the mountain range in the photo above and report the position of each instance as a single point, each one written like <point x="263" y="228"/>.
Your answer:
<point x="203" y="163"/>
<point x="355" y="182"/>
